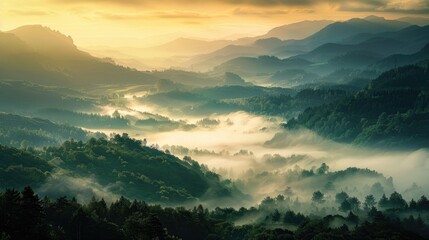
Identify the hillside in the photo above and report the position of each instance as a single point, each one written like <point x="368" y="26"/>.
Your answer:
<point x="44" y="56"/>
<point x="120" y="166"/>
<point x="19" y="168"/>
<point x="338" y="31"/>
<point x="262" y="65"/>
<point x="391" y="112"/>
<point x="23" y="97"/>
<point x="297" y="30"/>
<point x="19" y="131"/>
<point x="398" y="60"/>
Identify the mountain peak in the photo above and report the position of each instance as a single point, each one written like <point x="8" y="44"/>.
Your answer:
<point x="44" y="39"/>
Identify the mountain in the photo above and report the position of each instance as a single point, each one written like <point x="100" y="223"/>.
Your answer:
<point x="263" y="65"/>
<point x="420" y="21"/>
<point x="10" y="44"/>
<point x="207" y="61"/>
<point x="44" y="56"/>
<point x="47" y="41"/>
<point x="236" y="92"/>
<point x="260" y="45"/>
<point x="297" y="30"/>
<point x="391" y="112"/>
<point x="397" y="60"/>
<point x="267" y="44"/>
<point x="189" y="46"/>
<point x="189" y="78"/>
<point x="413" y="37"/>
<point x="354" y="60"/>
<point x="378" y="47"/>
<point x="293" y="77"/>
<point x="338" y="31"/>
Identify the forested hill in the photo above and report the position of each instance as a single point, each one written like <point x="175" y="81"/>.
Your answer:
<point x="393" y="111"/>
<point x="121" y="166"/>
<point x="21" y="132"/>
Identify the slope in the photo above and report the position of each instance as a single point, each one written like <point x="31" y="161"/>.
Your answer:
<point x="45" y="56"/>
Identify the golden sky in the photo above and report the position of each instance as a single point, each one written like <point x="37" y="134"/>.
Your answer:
<point x="148" y="22"/>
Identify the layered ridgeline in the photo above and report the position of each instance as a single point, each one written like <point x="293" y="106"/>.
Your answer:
<point x="393" y="110"/>
<point x="110" y="168"/>
<point x="338" y="53"/>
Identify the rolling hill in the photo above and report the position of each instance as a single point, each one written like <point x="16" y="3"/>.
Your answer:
<point x="391" y="112"/>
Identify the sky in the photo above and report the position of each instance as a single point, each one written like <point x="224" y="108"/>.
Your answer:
<point x="151" y="22"/>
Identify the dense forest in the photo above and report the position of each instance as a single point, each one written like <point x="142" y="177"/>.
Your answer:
<point x="65" y="218"/>
<point x="391" y="112"/>
<point x="22" y="132"/>
<point x="126" y="165"/>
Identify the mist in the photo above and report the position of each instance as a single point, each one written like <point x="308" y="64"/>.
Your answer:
<point x="240" y="146"/>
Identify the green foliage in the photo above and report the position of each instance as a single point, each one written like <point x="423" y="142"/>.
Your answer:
<point x="84" y="119"/>
<point x="392" y="112"/>
<point x="123" y="165"/>
<point x="22" y="132"/>
<point x="290" y="106"/>
<point x="26" y="97"/>
<point x="65" y="218"/>
<point x="19" y="168"/>
<point x="139" y="171"/>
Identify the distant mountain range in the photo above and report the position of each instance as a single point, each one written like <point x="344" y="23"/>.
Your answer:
<point x="304" y="50"/>
<point x="273" y="43"/>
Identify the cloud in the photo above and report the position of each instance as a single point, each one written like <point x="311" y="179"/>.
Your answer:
<point x="181" y="15"/>
<point x="151" y="15"/>
<point x="272" y="2"/>
<point x="395" y="6"/>
<point x="245" y="12"/>
<point x="29" y="12"/>
<point x="409" y="6"/>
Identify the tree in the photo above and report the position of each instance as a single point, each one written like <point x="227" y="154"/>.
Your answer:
<point x="10" y="213"/>
<point x="369" y="202"/>
<point x="354" y="203"/>
<point x="276" y="216"/>
<point x="413" y="204"/>
<point x="32" y="213"/>
<point x="423" y="203"/>
<point x="345" y="206"/>
<point x="341" y="196"/>
<point x="383" y="202"/>
<point x="396" y="201"/>
<point x="323" y="169"/>
<point x="280" y="198"/>
<point x="318" y="197"/>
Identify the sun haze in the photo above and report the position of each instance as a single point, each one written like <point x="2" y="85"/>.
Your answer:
<point x="148" y="23"/>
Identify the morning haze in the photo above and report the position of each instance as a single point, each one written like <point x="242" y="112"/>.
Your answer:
<point x="217" y="119"/>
